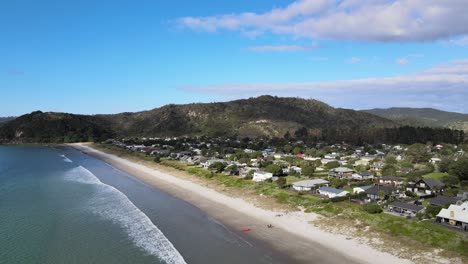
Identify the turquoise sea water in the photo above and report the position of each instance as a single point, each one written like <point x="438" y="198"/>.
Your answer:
<point x="58" y="205"/>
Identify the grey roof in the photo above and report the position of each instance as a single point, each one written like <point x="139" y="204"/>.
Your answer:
<point x="433" y="183"/>
<point x="331" y="190"/>
<point x="310" y="183"/>
<point x="443" y="200"/>
<point x="391" y="178"/>
<point x="342" y="169"/>
<point x="364" y="187"/>
<point x="411" y="207"/>
<point x="376" y="189"/>
<point x="366" y="173"/>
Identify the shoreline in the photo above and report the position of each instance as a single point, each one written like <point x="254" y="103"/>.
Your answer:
<point x="293" y="234"/>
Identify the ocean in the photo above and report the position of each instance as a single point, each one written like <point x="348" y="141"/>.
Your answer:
<point x="58" y="205"/>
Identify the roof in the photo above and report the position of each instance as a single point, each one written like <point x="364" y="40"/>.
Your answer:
<point x="263" y="172"/>
<point x="342" y="169"/>
<point x="433" y="183"/>
<point x="331" y="190"/>
<point x="364" y="187"/>
<point x="455" y="212"/>
<point x="376" y="189"/>
<point x="310" y="183"/>
<point x="366" y="173"/>
<point x="391" y="178"/>
<point x="443" y="200"/>
<point x="411" y="207"/>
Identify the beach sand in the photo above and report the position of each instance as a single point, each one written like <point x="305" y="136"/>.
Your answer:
<point x="292" y="232"/>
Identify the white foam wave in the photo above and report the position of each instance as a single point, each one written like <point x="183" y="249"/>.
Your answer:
<point x="66" y="159"/>
<point x="113" y="205"/>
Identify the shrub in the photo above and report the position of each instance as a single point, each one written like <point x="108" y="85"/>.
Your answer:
<point x="372" y="208"/>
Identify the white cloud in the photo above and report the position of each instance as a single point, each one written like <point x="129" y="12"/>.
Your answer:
<point x="444" y="86"/>
<point x="354" y="60"/>
<point x="372" y="20"/>
<point x="402" y="61"/>
<point x="460" y="41"/>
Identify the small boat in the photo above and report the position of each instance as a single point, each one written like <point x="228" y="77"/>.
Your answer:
<point x="245" y="230"/>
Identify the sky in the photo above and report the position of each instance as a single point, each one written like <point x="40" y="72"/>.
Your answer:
<point x="92" y="57"/>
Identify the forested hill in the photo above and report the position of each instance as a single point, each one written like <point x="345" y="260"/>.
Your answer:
<point x="423" y="117"/>
<point x="262" y="116"/>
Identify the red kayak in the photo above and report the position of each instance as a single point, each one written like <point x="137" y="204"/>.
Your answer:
<point x="245" y="230"/>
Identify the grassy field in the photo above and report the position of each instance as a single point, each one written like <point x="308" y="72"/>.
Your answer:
<point x="435" y="175"/>
<point x="398" y="229"/>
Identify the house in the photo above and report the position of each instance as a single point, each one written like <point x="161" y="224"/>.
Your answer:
<point x="435" y="160"/>
<point x="406" y="170"/>
<point x="427" y="186"/>
<point x="332" y="192"/>
<point x="341" y="172"/>
<point x="443" y="200"/>
<point x="375" y="192"/>
<point x="455" y="216"/>
<point x="309" y="185"/>
<point x="363" y="175"/>
<point x="210" y="162"/>
<point x="404" y="208"/>
<point x="361" y="163"/>
<point x="391" y="180"/>
<point x="377" y="166"/>
<point x="361" y="189"/>
<point x="260" y="176"/>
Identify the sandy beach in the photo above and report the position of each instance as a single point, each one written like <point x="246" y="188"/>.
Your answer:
<point x="292" y="234"/>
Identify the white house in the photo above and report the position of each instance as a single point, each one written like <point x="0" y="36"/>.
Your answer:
<point x="309" y="185"/>
<point x="332" y="192"/>
<point x="435" y="160"/>
<point x="455" y="215"/>
<point x="260" y="176"/>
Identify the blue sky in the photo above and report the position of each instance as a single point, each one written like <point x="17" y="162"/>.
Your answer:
<point x="115" y="56"/>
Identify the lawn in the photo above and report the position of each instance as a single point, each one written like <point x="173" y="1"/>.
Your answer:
<point x="436" y="175"/>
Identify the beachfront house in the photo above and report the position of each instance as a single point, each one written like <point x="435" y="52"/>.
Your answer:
<point x="455" y="216"/>
<point x="309" y="185"/>
<point x="260" y="176"/>
<point x="341" y="172"/>
<point x="332" y="192"/>
<point x="426" y="187"/>
<point x="379" y="192"/>
<point x="404" y="209"/>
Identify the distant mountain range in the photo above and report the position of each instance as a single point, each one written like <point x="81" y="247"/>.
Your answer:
<point x="423" y="117"/>
<point x="6" y="119"/>
<point x="261" y="116"/>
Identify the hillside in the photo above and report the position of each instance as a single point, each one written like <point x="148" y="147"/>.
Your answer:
<point x="423" y="117"/>
<point x="261" y="116"/>
<point x="265" y="115"/>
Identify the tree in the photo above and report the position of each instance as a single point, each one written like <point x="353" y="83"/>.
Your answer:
<point x="218" y="166"/>
<point x="372" y="208"/>
<point x="275" y="169"/>
<point x="281" y="182"/>
<point x="308" y="170"/>
<point x="444" y="165"/>
<point x="460" y="169"/>
<point x="157" y="159"/>
<point x="297" y="150"/>
<point x="391" y="159"/>
<point x="389" y="170"/>
<point x="332" y="164"/>
<point x="418" y="153"/>
<point x="432" y="211"/>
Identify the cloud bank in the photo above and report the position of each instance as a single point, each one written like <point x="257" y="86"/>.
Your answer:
<point x="372" y="20"/>
<point x="443" y="87"/>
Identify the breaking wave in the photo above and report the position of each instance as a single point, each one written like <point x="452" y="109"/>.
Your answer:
<point x="111" y="204"/>
<point x="66" y="159"/>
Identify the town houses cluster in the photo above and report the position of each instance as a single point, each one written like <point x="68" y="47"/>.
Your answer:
<point x="411" y="181"/>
